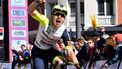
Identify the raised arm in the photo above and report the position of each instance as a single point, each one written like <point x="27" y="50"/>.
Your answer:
<point x="32" y="8"/>
<point x="33" y="5"/>
<point x="43" y="20"/>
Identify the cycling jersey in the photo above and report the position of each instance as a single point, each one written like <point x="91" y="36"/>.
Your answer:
<point x="47" y="35"/>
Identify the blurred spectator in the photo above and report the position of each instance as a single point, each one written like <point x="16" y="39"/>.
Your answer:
<point x="82" y="54"/>
<point x="99" y="42"/>
<point x="76" y="45"/>
<point x="108" y="50"/>
<point x="67" y="52"/>
<point x="17" y="57"/>
<point x="30" y="48"/>
<point x="27" y="54"/>
<point x="103" y="32"/>
<point x="91" y="52"/>
<point x="118" y="50"/>
<point x="23" y="47"/>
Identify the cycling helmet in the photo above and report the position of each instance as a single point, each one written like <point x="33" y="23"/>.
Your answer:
<point x="59" y="8"/>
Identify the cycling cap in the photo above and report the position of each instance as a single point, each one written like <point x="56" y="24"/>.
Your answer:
<point x="59" y="8"/>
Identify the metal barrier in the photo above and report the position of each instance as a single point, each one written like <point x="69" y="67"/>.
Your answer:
<point x="117" y="65"/>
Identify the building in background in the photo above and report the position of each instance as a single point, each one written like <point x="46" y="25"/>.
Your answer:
<point x="107" y="12"/>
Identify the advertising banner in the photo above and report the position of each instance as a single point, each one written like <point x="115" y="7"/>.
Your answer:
<point x="18" y="24"/>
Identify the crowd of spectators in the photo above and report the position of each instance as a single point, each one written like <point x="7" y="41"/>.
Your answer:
<point x="22" y="56"/>
<point x="98" y="46"/>
<point x="83" y="52"/>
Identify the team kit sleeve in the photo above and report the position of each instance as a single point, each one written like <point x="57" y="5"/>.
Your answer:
<point x="43" y="20"/>
<point x="65" y="36"/>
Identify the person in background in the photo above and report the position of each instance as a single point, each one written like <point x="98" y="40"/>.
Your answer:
<point x="72" y="45"/>
<point x="17" y="57"/>
<point x="49" y="32"/>
<point x="109" y="49"/>
<point x="82" y="54"/>
<point x="27" y="54"/>
<point x="76" y="46"/>
<point x="68" y="53"/>
<point x="103" y="33"/>
<point x="99" y="43"/>
<point x="118" y="50"/>
<point x="30" y="48"/>
<point x="91" y="52"/>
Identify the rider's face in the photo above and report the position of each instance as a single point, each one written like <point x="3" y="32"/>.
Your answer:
<point x="58" y="19"/>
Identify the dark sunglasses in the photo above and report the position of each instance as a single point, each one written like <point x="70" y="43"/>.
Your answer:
<point x="61" y="14"/>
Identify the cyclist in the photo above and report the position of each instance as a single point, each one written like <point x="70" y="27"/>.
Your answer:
<point x="50" y="31"/>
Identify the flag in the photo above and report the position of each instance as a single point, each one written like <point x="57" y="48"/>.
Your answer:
<point x="94" y="22"/>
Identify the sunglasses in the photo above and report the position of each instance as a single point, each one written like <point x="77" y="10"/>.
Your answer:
<point x="61" y="14"/>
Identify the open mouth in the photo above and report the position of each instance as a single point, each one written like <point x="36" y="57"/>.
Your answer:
<point x="58" y="21"/>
